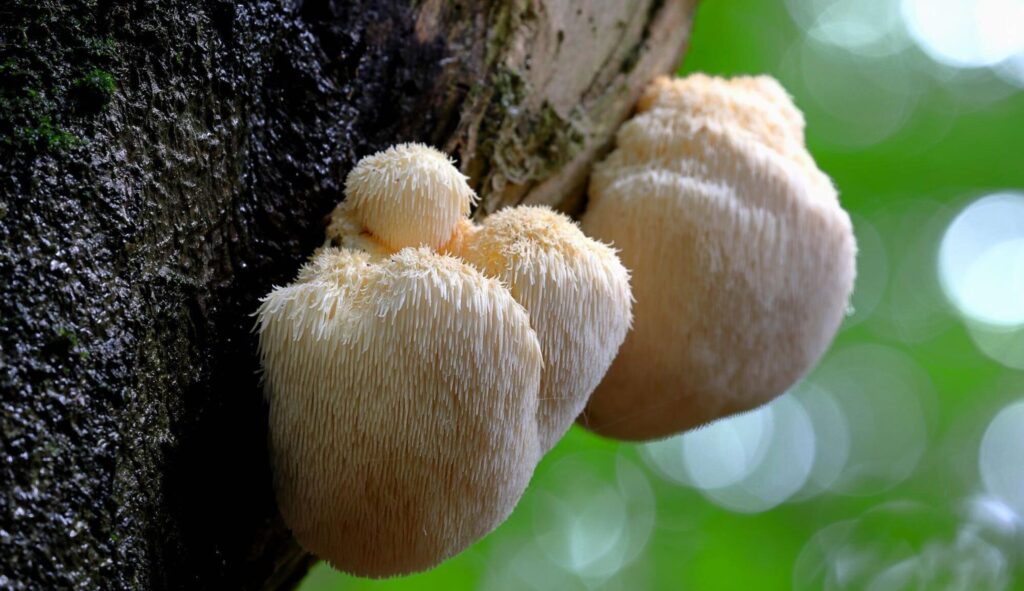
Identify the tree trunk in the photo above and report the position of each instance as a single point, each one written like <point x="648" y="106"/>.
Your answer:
<point x="163" y="164"/>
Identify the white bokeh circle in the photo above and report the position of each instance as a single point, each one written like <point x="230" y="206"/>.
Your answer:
<point x="882" y="395"/>
<point x="748" y="463"/>
<point x="589" y="524"/>
<point x="999" y="458"/>
<point x="981" y="260"/>
<point x="966" y="33"/>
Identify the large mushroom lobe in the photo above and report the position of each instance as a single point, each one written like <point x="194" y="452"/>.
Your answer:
<point x="742" y="259"/>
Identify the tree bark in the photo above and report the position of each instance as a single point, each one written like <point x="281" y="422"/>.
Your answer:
<point x="163" y="164"/>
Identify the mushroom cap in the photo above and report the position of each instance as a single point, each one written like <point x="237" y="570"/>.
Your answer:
<point x="408" y="195"/>
<point x="576" y="292"/>
<point x="757" y="103"/>
<point x="755" y="106"/>
<point x="403" y="402"/>
<point x="706" y="148"/>
<point x="742" y="263"/>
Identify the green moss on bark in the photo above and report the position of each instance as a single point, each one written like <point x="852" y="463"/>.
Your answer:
<point x="525" y="144"/>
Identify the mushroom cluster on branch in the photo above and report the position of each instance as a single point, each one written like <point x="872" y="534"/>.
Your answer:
<point x="420" y="365"/>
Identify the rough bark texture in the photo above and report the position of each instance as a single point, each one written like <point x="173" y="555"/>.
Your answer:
<point x="163" y="163"/>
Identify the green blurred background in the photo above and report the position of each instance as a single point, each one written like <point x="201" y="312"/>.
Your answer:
<point x="899" y="462"/>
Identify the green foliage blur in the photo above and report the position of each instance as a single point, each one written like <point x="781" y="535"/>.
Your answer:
<point x="888" y="428"/>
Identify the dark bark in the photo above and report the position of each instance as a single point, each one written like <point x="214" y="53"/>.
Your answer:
<point x="163" y="163"/>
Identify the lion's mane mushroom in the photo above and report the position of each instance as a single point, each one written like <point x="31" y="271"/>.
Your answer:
<point x="405" y="384"/>
<point x="403" y="404"/>
<point x="575" y="289"/>
<point x="742" y="258"/>
<point x="576" y="292"/>
<point x="407" y="195"/>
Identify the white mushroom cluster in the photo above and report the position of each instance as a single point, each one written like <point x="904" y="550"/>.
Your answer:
<point x="420" y="365"/>
<point x="742" y="259"/>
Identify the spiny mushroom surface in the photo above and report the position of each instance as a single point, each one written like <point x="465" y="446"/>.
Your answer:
<point x="741" y="257"/>
<point x="575" y="289"/>
<point x="410" y="397"/>
<point x="402" y="410"/>
<point x="759" y="104"/>
<point x="578" y="296"/>
<point x="408" y="195"/>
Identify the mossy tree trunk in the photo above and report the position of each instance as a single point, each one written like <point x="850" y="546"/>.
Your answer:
<point x="163" y="163"/>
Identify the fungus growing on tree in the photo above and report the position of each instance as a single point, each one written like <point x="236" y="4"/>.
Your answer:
<point x="741" y="257"/>
<point x="407" y="195"/>
<point x="576" y="292"/>
<point x="408" y="404"/>
<point x="403" y="403"/>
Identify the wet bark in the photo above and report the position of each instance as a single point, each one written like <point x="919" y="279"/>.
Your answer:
<point x="163" y="163"/>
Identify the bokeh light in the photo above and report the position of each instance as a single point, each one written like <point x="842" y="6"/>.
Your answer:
<point x="748" y="463"/>
<point x="981" y="260"/>
<point x="590" y="526"/>
<point x="832" y="436"/>
<point x="899" y="546"/>
<point x="879" y="90"/>
<point x="782" y="471"/>
<point x="1004" y="344"/>
<point x="881" y="394"/>
<point x="1012" y="70"/>
<point x="967" y="33"/>
<point x="869" y="28"/>
<point x="913" y="309"/>
<point x="717" y="455"/>
<point x="991" y="515"/>
<point x="1000" y="457"/>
